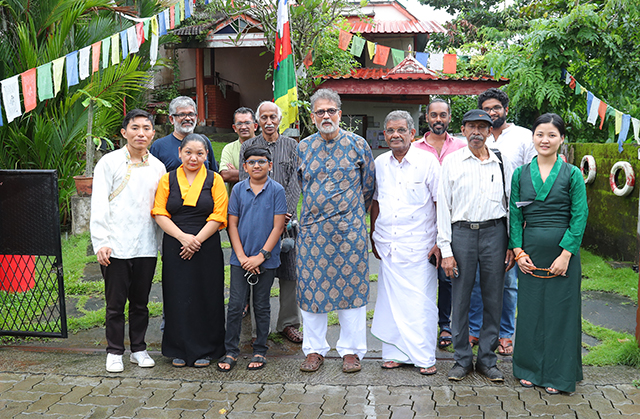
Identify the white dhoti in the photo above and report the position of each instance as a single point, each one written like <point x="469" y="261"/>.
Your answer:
<point x="406" y="314"/>
<point x="353" y="332"/>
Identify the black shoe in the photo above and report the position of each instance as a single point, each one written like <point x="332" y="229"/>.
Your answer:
<point x="458" y="372"/>
<point x="492" y="373"/>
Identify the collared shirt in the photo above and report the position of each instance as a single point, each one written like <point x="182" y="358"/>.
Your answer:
<point x="450" y="145"/>
<point x="516" y="143"/>
<point x="230" y="154"/>
<point x="470" y="190"/>
<point x="121" y="203"/>
<point x="167" y="150"/>
<point x="255" y="218"/>
<point x="284" y="157"/>
<point x="406" y="192"/>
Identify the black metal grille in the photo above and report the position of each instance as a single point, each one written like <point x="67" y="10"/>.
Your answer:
<point x="31" y="276"/>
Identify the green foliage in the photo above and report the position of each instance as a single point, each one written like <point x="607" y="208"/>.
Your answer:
<point x="615" y="348"/>
<point x="599" y="276"/>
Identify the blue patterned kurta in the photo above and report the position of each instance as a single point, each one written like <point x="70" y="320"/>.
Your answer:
<point x="338" y="179"/>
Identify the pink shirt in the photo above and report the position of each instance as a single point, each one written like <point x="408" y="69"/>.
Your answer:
<point x="450" y="145"/>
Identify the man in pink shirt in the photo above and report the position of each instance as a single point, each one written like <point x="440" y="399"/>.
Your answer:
<point x="441" y="144"/>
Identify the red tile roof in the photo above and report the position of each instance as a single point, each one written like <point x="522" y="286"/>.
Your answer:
<point x="396" y="26"/>
<point x="381" y="74"/>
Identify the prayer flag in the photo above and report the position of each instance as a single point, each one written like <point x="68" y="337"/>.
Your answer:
<point x="153" y="49"/>
<point x="624" y="131"/>
<point x="162" y="27"/>
<point x="567" y="78"/>
<point x="357" y="46"/>
<point x="45" y="82"/>
<point x="124" y="40"/>
<point x="140" y="33"/>
<point x="397" y="55"/>
<point x="593" y="103"/>
<point x="57" y="66"/>
<point x="1" y="123"/>
<point x="106" y="49"/>
<point x="11" y="98"/>
<point x="115" y="49"/>
<point x="187" y="8"/>
<point x="578" y="89"/>
<point x="145" y="27"/>
<point x="172" y="17"/>
<point x="308" y="59"/>
<point x="72" y="69"/>
<point x="132" y="40"/>
<point x="636" y="129"/>
<point x="618" y="121"/>
<point x="84" y="62"/>
<point x="572" y="83"/>
<point x="423" y="58"/>
<point x="182" y="15"/>
<point x="29" y="89"/>
<point x="436" y="62"/>
<point x="382" y="55"/>
<point x="165" y="14"/>
<point x="343" y="39"/>
<point x="449" y="63"/>
<point x="95" y="57"/>
<point x="371" y="48"/>
<point x="602" y="111"/>
<point x="176" y="12"/>
<point x="285" y="91"/>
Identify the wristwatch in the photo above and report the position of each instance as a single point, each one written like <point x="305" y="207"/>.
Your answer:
<point x="267" y="255"/>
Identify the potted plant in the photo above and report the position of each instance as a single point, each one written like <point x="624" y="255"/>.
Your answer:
<point x="84" y="184"/>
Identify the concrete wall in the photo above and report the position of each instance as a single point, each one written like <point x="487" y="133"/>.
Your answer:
<point x="612" y="227"/>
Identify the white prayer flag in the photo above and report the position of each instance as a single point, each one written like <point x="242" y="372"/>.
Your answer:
<point x="11" y="98"/>
<point x="132" y="38"/>
<point x="636" y="129"/>
<point x="153" y="49"/>
<point x="436" y="62"/>
<point x="593" y="111"/>
<point x="83" y="58"/>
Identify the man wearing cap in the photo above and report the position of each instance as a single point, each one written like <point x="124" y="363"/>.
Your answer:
<point x="472" y="231"/>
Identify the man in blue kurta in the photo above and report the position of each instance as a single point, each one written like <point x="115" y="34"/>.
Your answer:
<point x="336" y="170"/>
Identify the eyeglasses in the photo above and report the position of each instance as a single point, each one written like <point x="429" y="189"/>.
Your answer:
<point x="184" y="115"/>
<point x="400" y="131"/>
<point x="245" y="123"/>
<point x="261" y="162"/>
<point x="496" y="108"/>
<point x="331" y="111"/>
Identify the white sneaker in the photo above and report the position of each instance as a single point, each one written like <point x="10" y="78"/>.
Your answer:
<point x="142" y="358"/>
<point x="114" y="363"/>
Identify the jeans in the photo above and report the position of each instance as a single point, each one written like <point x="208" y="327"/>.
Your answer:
<point x="444" y="301"/>
<point x="509" y="302"/>
<point x="238" y="290"/>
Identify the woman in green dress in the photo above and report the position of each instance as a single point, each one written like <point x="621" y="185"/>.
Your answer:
<point x="548" y="217"/>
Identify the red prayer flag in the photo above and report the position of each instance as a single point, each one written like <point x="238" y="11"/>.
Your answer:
<point x="572" y="83"/>
<point x="602" y="111"/>
<point x="382" y="55"/>
<point x="172" y="17"/>
<point x="29" y="89"/>
<point x="308" y="59"/>
<point x="140" y="33"/>
<point x="344" y="39"/>
<point x="95" y="56"/>
<point x="449" y="63"/>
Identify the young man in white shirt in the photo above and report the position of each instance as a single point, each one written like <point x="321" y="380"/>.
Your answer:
<point x="125" y="236"/>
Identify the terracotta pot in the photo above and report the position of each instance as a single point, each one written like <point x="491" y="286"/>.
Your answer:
<point x="84" y="185"/>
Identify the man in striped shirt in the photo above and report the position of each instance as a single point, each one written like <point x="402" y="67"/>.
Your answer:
<point x="472" y="230"/>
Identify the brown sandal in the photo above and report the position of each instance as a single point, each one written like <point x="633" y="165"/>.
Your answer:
<point x="312" y="363"/>
<point x="473" y="341"/>
<point x="505" y="347"/>
<point x="351" y="363"/>
<point x="293" y="334"/>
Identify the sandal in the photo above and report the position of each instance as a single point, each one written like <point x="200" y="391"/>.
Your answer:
<point x="230" y="361"/>
<point x="351" y="363"/>
<point x="445" y="340"/>
<point x="312" y="363"/>
<point x="245" y="311"/>
<point x="551" y="390"/>
<point x="293" y="334"/>
<point x="429" y="371"/>
<point x="526" y="384"/>
<point x="257" y="359"/>
<point x="390" y="365"/>
<point x="505" y="347"/>
<point x="473" y="341"/>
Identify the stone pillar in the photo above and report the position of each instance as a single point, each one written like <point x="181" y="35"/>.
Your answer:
<point x="80" y="213"/>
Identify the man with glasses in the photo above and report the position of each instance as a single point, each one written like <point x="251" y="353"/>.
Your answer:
<point x="245" y="125"/>
<point x="183" y="116"/>
<point x="336" y="169"/>
<point x="516" y="144"/>
<point x="472" y="230"/>
<point x="403" y="236"/>
<point x="283" y="154"/>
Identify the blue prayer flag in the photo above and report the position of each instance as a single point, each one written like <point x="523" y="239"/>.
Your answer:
<point x="187" y="8"/>
<point x="162" y="28"/>
<point x="624" y="131"/>
<point x="72" y="68"/>
<point x="422" y="57"/>
<point x="589" y="100"/>
<point x="124" y="42"/>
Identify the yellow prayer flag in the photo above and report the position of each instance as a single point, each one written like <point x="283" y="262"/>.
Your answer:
<point x="371" y="47"/>
<point x="618" y="121"/>
<point x="115" y="49"/>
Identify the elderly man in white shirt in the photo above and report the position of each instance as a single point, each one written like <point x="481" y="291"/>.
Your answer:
<point x="403" y="234"/>
<point x="472" y="230"/>
<point x="125" y="237"/>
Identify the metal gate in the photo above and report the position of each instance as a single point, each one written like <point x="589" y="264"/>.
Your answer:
<point x="31" y="278"/>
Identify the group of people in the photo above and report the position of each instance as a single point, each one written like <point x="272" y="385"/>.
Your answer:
<point x="449" y="221"/>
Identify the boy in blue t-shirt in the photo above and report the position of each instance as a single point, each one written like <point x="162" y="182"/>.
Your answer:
<point x="257" y="209"/>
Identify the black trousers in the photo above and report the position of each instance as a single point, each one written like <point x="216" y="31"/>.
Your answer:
<point x="127" y="279"/>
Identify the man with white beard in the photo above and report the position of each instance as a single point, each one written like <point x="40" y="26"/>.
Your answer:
<point x="183" y="116"/>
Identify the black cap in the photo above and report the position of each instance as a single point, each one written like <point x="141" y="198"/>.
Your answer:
<point x="476" y="115"/>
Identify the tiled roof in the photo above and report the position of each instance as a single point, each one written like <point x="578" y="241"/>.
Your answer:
<point x="193" y="30"/>
<point x="396" y="26"/>
<point x="381" y="74"/>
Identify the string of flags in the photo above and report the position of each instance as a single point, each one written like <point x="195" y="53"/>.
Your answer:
<point x="599" y="108"/>
<point x="379" y="54"/>
<point x="45" y="81"/>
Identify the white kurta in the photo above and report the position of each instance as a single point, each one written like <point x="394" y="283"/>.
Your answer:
<point x="406" y="315"/>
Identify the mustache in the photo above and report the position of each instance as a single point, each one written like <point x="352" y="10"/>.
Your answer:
<point x="476" y="138"/>
<point x="269" y="126"/>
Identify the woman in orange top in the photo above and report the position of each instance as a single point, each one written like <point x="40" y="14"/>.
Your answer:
<point x="191" y="207"/>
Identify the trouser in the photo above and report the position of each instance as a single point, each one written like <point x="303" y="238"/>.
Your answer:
<point x="444" y="301"/>
<point x="238" y="289"/>
<point x="509" y="302"/>
<point x="127" y="279"/>
<point x="486" y="247"/>
<point x="353" y="332"/>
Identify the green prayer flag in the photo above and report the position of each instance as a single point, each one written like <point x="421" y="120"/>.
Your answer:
<point x="145" y="28"/>
<point x="357" y="46"/>
<point x="578" y="89"/>
<point x="45" y="82"/>
<point x="397" y="55"/>
<point x="106" y="50"/>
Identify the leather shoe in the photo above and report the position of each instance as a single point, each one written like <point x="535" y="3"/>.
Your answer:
<point x="458" y="372"/>
<point x="312" y="362"/>
<point x="492" y="373"/>
<point x="351" y="363"/>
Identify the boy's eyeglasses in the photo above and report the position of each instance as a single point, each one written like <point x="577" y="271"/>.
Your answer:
<point x="331" y="111"/>
<point x="261" y="162"/>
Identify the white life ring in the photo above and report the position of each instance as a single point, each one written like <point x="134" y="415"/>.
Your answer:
<point x="629" y="175"/>
<point x="590" y="163"/>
